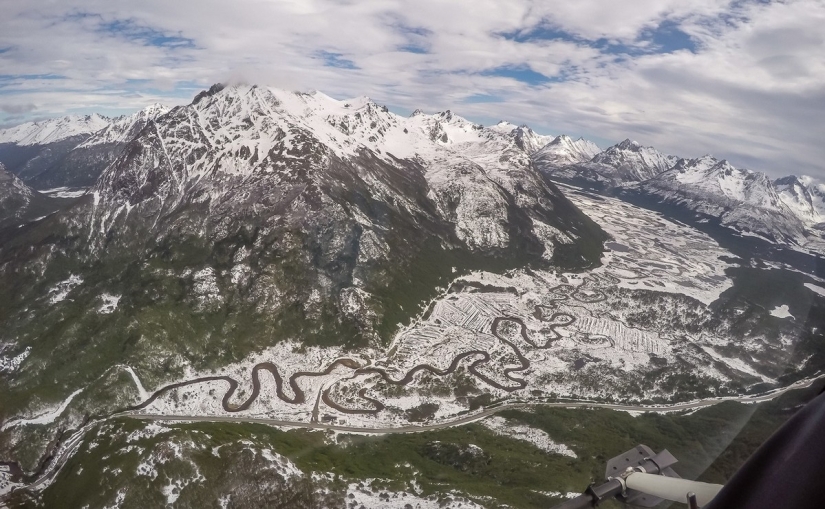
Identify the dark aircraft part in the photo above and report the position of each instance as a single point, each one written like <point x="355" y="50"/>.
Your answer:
<point x="651" y="476"/>
<point x="787" y="471"/>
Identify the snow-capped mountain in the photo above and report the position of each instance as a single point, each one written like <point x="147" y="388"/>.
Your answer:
<point x="628" y="161"/>
<point x="742" y="199"/>
<point x="122" y="129"/>
<point x="635" y="162"/>
<point x="524" y="136"/>
<point x="54" y="130"/>
<point x="804" y="196"/>
<point x="335" y="218"/>
<point x="250" y="134"/>
<point x="83" y="164"/>
<point x="563" y="151"/>
<point x="70" y="151"/>
<point x="31" y="148"/>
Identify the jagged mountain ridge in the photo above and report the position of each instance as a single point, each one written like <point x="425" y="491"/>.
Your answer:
<point x="582" y="163"/>
<point x="635" y="162"/>
<point x="527" y="139"/>
<point x="782" y="211"/>
<point x="563" y="150"/>
<point x="289" y="215"/>
<point x="804" y="196"/>
<point x="742" y="199"/>
<point x="54" y="130"/>
<point x="69" y="151"/>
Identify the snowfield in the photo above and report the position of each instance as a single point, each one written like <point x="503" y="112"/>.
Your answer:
<point x="525" y="334"/>
<point x="535" y="436"/>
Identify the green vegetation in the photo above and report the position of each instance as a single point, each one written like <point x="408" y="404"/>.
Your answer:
<point x="710" y="445"/>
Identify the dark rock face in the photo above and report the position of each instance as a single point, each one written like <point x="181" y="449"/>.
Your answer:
<point x="15" y="197"/>
<point x="29" y="162"/>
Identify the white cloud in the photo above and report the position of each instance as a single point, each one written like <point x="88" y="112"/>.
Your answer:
<point x="752" y="90"/>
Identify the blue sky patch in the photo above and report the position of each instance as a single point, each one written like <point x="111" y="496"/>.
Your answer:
<point x="667" y="38"/>
<point x="145" y="35"/>
<point x="520" y="73"/>
<point x="332" y="59"/>
<point x="482" y="98"/>
<point x="413" y="48"/>
<point x="9" y="82"/>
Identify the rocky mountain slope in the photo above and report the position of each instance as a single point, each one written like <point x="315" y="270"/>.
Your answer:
<point x="744" y="200"/>
<point x="15" y="197"/>
<point x="20" y="204"/>
<point x="781" y="211"/>
<point x="581" y="162"/>
<point x="70" y="151"/>
<point x="527" y="139"/>
<point x="351" y="194"/>
<point x="804" y="196"/>
<point x="254" y="216"/>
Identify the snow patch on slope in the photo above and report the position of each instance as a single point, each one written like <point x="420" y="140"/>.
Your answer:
<point x="535" y="436"/>
<point x="53" y="130"/>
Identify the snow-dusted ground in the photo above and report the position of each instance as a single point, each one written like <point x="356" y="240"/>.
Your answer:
<point x="138" y="385"/>
<point x="108" y="303"/>
<point x="10" y="364"/>
<point x="45" y="418"/>
<point x="6" y="484"/>
<point x="570" y="322"/>
<point x="781" y="311"/>
<point x="815" y="288"/>
<point x="559" y="494"/>
<point x="65" y="192"/>
<point x="363" y="494"/>
<point x="535" y="436"/>
<point x="62" y="289"/>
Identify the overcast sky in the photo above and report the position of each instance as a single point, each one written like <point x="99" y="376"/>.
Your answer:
<point x="744" y="80"/>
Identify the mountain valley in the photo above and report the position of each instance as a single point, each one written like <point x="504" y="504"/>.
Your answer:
<point x="263" y="256"/>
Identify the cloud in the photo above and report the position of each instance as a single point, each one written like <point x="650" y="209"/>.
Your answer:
<point x="741" y="79"/>
<point x="17" y="109"/>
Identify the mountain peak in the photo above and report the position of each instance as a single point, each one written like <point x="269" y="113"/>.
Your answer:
<point x="635" y="162"/>
<point x="214" y="89"/>
<point x="563" y="151"/>
<point x="628" y="144"/>
<point x="416" y="113"/>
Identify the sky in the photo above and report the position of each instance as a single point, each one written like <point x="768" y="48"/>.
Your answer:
<point x="739" y="79"/>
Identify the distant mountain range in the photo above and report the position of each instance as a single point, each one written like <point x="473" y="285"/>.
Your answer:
<point x="788" y="210"/>
<point x="74" y="151"/>
<point x="70" y="151"/>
